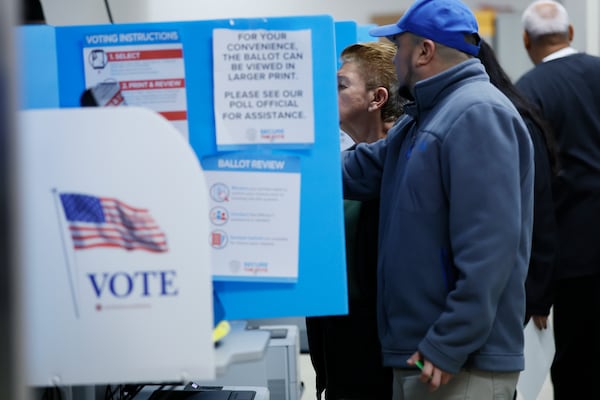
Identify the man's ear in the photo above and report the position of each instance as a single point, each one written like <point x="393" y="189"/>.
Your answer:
<point x="571" y="33"/>
<point x="380" y="97"/>
<point x="426" y="51"/>
<point x="526" y="40"/>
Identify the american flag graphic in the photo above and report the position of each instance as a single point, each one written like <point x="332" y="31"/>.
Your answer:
<point x="107" y="222"/>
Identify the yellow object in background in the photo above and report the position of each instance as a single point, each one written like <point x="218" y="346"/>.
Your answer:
<point x="486" y="19"/>
<point x="220" y="331"/>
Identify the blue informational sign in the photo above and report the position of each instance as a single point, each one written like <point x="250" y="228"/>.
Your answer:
<point x="70" y="56"/>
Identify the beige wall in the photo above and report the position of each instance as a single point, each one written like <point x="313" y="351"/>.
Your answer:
<point x="361" y="11"/>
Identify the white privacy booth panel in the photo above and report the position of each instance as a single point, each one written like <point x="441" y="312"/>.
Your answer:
<point x="113" y="244"/>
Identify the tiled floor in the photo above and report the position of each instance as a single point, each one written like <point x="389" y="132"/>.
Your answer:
<point x="307" y="375"/>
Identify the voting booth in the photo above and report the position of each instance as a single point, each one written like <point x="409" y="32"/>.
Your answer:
<point x="228" y="145"/>
<point x="106" y="252"/>
<point x="276" y="152"/>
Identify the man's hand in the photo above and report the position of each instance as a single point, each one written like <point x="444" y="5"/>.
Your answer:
<point x="430" y="374"/>
<point x="540" y="321"/>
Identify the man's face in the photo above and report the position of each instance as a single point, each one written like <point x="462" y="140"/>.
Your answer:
<point x="404" y="63"/>
<point x="353" y="96"/>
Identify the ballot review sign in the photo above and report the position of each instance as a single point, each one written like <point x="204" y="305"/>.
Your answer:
<point x="254" y="216"/>
<point x="263" y="87"/>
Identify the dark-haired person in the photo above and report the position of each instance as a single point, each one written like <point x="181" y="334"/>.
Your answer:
<point x="345" y="350"/>
<point x="540" y="275"/>
<point x="565" y="85"/>
<point x="455" y="182"/>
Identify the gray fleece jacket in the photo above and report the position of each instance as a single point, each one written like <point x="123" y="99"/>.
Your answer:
<point x="455" y="179"/>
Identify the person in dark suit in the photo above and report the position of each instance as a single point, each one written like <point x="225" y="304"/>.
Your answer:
<point x="565" y="85"/>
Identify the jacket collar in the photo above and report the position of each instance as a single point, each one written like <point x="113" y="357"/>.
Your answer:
<point x="429" y="92"/>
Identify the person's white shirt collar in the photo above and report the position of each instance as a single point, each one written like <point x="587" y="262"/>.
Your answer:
<point x="567" y="51"/>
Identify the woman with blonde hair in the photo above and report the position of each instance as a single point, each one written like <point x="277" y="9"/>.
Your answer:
<point x="345" y="349"/>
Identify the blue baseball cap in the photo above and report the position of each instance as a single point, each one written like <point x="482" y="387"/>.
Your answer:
<point x="443" y="21"/>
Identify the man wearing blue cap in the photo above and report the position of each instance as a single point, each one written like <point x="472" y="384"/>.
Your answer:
<point x="455" y="179"/>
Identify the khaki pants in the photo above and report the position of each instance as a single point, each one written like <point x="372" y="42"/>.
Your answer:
<point x="466" y="385"/>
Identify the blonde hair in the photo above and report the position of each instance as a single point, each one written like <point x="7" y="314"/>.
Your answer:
<point x="375" y="63"/>
<point x="545" y="17"/>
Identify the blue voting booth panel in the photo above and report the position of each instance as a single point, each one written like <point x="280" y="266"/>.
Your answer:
<point x="363" y="33"/>
<point x="348" y="33"/>
<point x="345" y="35"/>
<point x="321" y="272"/>
<point x="38" y="67"/>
